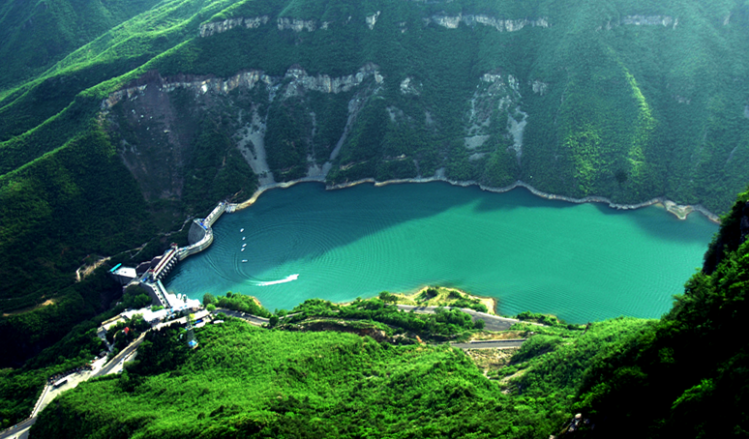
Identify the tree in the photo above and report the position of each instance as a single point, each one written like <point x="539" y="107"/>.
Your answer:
<point x="387" y="297"/>
<point x="208" y="299"/>
<point x="136" y="297"/>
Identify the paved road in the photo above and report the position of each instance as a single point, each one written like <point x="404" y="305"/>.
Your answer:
<point x="490" y="344"/>
<point x="21" y="430"/>
<point x="491" y="322"/>
<point x="121" y="356"/>
<point x="255" y="320"/>
<point x="18" y="431"/>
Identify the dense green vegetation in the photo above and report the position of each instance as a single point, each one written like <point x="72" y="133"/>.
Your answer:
<point x="248" y="382"/>
<point x="36" y="35"/>
<point x="628" y="111"/>
<point x="626" y="99"/>
<point x="135" y="297"/>
<point x="237" y="302"/>
<point x="443" y="324"/>
<point x="75" y="202"/>
<point x="688" y="374"/>
<point x="542" y="318"/>
<point x="20" y="388"/>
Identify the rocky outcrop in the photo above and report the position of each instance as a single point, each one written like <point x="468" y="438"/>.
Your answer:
<point x="297" y="25"/>
<point x="539" y="87"/>
<point x="282" y="23"/>
<point x="201" y="85"/>
<point x="161" y="112"/>
<point x="452" y="22"/>
<point x="495" y="92"/>
<point x="642" y="20"/>
<point x="408" y="87"/>
<point x="651" y="20"/>
<point x="217" y="27"/>
<point x="326" y="84"/>
<point x="372" y="20"/>
<point x="251" y="144"/>
<point x="297" y="78"/>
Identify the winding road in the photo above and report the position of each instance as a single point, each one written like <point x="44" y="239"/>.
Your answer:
<point x="490" y="344"/>
<point x="252" y="319"/>
<point x="118" y="360"/>
<point x="492" y="323"/>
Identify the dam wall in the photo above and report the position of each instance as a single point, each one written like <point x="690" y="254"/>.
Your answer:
<point x="200" y="235"/>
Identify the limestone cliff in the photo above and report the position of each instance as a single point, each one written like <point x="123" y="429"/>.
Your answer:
<point x="441" y="90"/>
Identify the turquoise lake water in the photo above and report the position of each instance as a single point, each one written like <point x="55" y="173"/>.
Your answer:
<point x="581" y="262"/>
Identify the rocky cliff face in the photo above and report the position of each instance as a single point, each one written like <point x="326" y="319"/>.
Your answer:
<point x="156" y="122"/>
<point x="217" y="27"/>
<point x="452" y="22"/>
<point x="160" y="114"/>
<point x="295" y="79"/>
<point x="447" y="92"/>
<point x="282" y="23"/>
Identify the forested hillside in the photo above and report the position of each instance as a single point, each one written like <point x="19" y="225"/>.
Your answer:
<point x="35" y="35"/>
<point x="688" y="375"/>
<point x="205" y="100"/>
<point x="120" y="120"/>
<point x="682" y="376"/>
<point x="249" y="382"/>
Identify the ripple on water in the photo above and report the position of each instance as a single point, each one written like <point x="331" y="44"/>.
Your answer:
<point x="579" y="262"/>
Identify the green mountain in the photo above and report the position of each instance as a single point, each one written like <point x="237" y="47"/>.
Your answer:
<point x="119" y="120"/>
<point x="34" y="36"/>
<point x="188" y="102"/>
<point x="249" y="382"/>
<point x="683" y="376"/>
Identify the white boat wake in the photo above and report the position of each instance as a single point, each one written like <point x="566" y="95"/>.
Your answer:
<point x="290" y="278"/>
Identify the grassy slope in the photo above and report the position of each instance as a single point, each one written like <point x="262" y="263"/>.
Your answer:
<point x="611" y="124"/>
<point x="248" y="382"/>
<point x="35" y="35"/>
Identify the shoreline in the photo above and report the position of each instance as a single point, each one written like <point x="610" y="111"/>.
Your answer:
<point x="491" y="303"/>
<point x="679" y="211"/>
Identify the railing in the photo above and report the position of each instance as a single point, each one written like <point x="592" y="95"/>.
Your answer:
<point x="199" y="246"/>
<point x="207" y="239"/>
<point x="170" y="258"/>
<point x="215" y="214"/>
<point x="157" y="292"/>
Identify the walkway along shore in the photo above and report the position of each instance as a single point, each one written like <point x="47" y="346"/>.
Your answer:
<point x="201" y="233"/>
<point x="680" y="211"/>
<point x="205" y="224"/>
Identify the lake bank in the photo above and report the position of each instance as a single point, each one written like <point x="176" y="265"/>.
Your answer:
<point x="442" y="296"/>
<point x="678" y="210"/>
<point x="531" y="254"/>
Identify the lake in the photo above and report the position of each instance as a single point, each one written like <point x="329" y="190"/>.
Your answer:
<point x="580" y="262"/>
